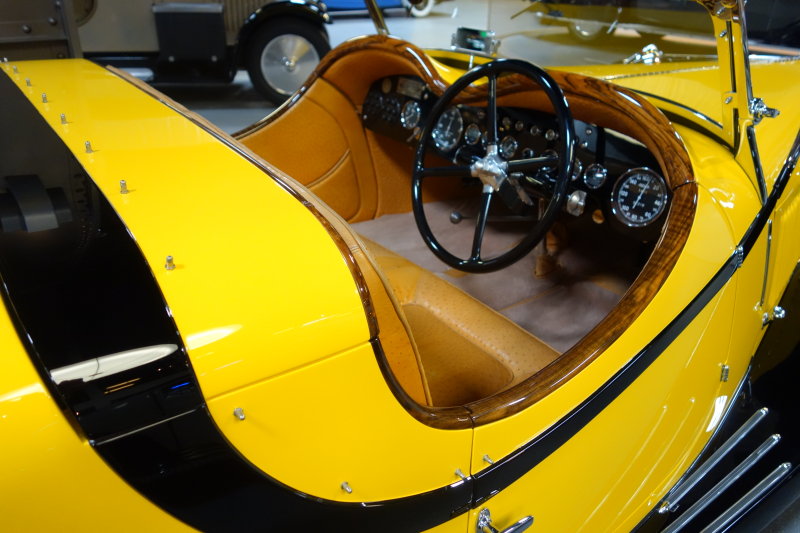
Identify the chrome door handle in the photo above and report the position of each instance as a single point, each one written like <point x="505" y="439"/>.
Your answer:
<point x="484" y="524"/>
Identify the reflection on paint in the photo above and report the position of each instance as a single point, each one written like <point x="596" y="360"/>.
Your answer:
<point x="204" y="338"/>
<point x="18" y="394"/>
<point x="719" y="410"/>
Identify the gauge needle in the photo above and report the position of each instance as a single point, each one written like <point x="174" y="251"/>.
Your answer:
<point x="641" y="193"/>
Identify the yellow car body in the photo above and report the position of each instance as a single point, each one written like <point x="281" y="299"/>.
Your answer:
<point x="280" y="315"/>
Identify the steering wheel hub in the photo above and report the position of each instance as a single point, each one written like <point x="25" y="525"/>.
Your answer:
<point x="492" y="170"/>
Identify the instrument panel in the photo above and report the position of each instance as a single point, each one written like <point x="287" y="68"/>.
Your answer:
<point x="615" y="179"/>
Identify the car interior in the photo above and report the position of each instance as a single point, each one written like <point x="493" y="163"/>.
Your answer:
<point x="498" y="339"/>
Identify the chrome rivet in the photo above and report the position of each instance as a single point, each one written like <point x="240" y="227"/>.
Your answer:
<point x="44" y="98"/>
<point x="170" y="265"/>
<point x="63" y="118"/>
<point x="123" y="187"/>
<point x="15" y="69"/>
<point x="589" y="131"/>
<point x="488" y="459"/>
<point x="239" y="413"/>
<point x="88" y="146"/>
<point x="28" y="82"/>
<point x="584" y="144"/>
<point x="460" y="474"/>
<point x="26" y="28"/>
<point x="729" y="99"/>
<point x="346" y="487"/>
<point x="723" y="34"/>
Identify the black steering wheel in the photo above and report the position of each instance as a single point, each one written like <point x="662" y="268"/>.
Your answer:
<point x="494" y="171"/>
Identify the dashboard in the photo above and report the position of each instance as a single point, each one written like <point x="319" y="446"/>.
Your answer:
<point x="615" y="180"/>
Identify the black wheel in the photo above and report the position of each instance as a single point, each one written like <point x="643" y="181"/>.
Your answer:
<point x="493" y="171"/>
<point x="422" y="8"/>
<point x="282" y="54"/>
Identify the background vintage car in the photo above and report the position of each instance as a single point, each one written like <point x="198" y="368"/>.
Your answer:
<point x="215" y="332"/>
<point x="422" y="8"/>
<point x="279" y="42"/>
<point x="770" y="21"/>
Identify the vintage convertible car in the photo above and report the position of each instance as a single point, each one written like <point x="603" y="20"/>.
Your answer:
<point x="418" y="296"/>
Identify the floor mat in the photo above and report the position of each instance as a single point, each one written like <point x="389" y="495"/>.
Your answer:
<point x="560" y="308"/>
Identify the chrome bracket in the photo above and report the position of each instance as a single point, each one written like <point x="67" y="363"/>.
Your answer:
<point x="777" y="313"/>
<point x="738" y="255"/>
<point x="759" y="110"/>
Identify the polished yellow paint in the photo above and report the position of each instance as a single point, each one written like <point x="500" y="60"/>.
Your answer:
<point x="338" y="422"/>
<point x="245" y="293"/>
<point x="52" y="479"/>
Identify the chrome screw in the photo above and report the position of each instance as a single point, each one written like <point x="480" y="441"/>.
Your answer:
<point x="170" y="265"/>
<point x="346" y="487"/>
<point x="239" y="413"/>
<point x="88" y="146"/>
<point x="123" y="187"/>
<point x="44" y="98"/>
<point x="63" y="118"/>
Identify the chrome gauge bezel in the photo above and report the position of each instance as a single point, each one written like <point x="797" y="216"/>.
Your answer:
<point x="410" y="115"/>
<point x="657" y="194"/>
<point x="472" y="135"/>
<point x="508" y="147"/>
<point x="447" y="131"/>
<point x="595" y="176"/>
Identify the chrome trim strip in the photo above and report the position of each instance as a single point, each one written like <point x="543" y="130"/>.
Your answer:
<point x="698" y="114"/>
<point x="723" y="484"/>
<point x="685" y="485"/>
<point x="743" y="504"/>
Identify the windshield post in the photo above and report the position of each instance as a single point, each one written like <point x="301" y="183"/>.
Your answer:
<point x="376" y="15"/>
<point x="740" y="110"/>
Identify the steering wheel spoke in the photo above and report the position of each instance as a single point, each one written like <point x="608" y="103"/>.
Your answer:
<point x="460" y="171"/>
<point x="480" y="225"/>
<point x="491" y="111"/>
<point x="532" y="163"/>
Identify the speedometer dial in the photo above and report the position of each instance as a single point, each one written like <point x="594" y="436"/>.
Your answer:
<point x="447" y="131"/>
<point x="640" y="196"/>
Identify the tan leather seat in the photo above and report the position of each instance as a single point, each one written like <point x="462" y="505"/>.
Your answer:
<point x="467" y="351"/>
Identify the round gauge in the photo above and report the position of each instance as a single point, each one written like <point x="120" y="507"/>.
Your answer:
<point x="508" y="147"/>
<point x="410" y="115"/>
<point x="595" y="176"/>
<point x="472" y="135"/>
<point x="639" y="197"/>
<point x="506" y="122"/>
<point x="447" y="130"/>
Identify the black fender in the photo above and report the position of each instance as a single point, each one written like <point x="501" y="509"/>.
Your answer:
<point x="308" y="10"/>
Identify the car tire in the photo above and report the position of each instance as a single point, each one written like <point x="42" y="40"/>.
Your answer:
<point x="422" y="9"/>
<point x="282" y="54"/>
<point x="588" y="30"/>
